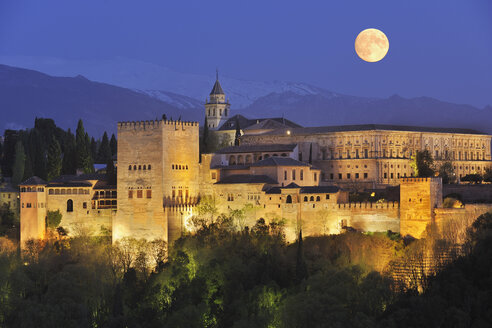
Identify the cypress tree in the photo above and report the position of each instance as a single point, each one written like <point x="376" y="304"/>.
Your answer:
<point x="28" y="171"/>
<point x="19" y="164"/>
<point x="82" y="142"/>
<point x="104" y="154"/>
<point x="110" y="173"/>
<point x="311" y="154"/>
<point x="205" y="136"/>
<point x="238" y="133"/>
<point x="10" y="140"/>
<point x="113" y="145"/>
<point x="93" y="148"/>
<point x="39" y="162"/>
<point x="54" y="164"/>
<point x="301" y="268"/>
<point x="69" y="163"/>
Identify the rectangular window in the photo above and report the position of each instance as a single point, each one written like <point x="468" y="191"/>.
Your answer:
<point x="356" y="175"/>
<point x="285" y="175"/>
<point x="149" y="193"/>
<point x="28" y="205"/>
<point x="340" y="176"/>
<point x="365" y="175"/>
<point x="84" y="205"/>
<point x="301" y="175"/>
<point x="391" y="175"/>
<point x="293" y="174"/>
<point x="366" y="155"/>
<point x="331" y="176"/>
<point x="315" y="177"/>
<point x="139" y="193"/>
<point x="348" y="175"/>
<point x="327" y="196"/>
<point x="214" y="175"/>
<point x="130" y="193"/>
<point x="385" y="175"/>
<point x="356" y="153"/>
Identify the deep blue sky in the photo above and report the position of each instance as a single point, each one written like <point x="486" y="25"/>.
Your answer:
<point x="437" y="48"/>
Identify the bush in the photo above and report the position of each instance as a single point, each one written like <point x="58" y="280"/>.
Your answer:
<point x="53" y="219"/>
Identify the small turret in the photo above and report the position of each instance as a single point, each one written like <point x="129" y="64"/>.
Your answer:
<point x="217" y="109"/>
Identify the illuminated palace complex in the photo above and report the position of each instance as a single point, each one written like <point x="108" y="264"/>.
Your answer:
<point x="280" y="170"/>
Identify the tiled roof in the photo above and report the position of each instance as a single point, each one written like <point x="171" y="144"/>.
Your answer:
<point x="257" y="148"/>
<point x="217" y="89"/>
<point x="70" y="184"/>
<point x="369" y="127"/>
<point x="279" y="161"/>
<point x="8" y="188"/>
<point x="81" y="177"/>
<point x="33" y="181"/>
<point x="305" y="190"/>
<point x="245" y="123"/>
<point x="246" y="178"/>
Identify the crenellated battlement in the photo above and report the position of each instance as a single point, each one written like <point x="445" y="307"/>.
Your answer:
<point x="412" y="180"/>
<point x="374" y="205"/>
<point x="154" y="124"/>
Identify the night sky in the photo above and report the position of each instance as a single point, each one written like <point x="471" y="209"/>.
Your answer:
<point x="441" y="49"/>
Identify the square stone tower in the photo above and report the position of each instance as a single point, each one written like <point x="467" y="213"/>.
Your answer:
<point x="157" y="179"/>
<point x="32" y="209"/>
<point x="418" y="199"/>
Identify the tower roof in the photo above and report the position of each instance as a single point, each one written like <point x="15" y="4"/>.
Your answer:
<point x="217" y="89"/>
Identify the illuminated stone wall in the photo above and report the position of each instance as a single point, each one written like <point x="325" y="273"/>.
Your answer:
<point x="169" y="151"/>
<point x="32" y="213"/>
<point x="384" y="155"/>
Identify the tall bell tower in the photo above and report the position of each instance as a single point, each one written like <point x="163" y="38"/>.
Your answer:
<point x="217" y="109"/>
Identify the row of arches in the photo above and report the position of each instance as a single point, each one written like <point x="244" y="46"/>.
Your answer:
<point x="248" y="159"/>
<point x="179" y="167"/>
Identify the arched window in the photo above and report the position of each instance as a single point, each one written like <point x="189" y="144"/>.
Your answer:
<point x="134" y="167"/>
<point x="266" y="156"/>
<point x="186" y="166"/>
<point x="311" y="198"/>
<point x="149" y="167"/>
<point x="289" y="199"/>
<point x="69" y="205"/>
<point x="145" y="167"/>
<point x="129" y="167"/>
<point x="172" y="166"/>
<point x="318" y="199"/>
<point x="139" y="167"/>
<point x="232" y="160"/>
<point x="305" y="198"/>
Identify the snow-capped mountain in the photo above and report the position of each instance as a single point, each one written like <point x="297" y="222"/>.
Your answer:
<point x="157" y="80"/>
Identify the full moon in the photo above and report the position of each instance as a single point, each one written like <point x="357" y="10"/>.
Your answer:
<point x="371" y="45"/>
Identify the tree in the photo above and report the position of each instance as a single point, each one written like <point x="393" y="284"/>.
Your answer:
<point x="422" y="164"/>
<point x="113" y="145"/>
<point x="104" y="154"/>
<point x="53" y="219"/>
<point x="238" y="133"/>
<point x="54" y="163"/>
<point x="69" y="163"/>
<point x="28" y="172"/>
<point x="110" y="172"/>
<point x="446" y="172"/>
<point x="93" y="147"/>
<point x="301" y="268"/>
<point x="19" y="164"/>
<point x="204" y="140"/>
<point x="487" y="176"/>
<point x="10" y="138"/>
<point x="474" y="178"/>
<point x="84" y="160"/>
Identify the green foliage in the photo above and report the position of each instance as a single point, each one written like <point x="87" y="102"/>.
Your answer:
<point x="473" y="178"/>
<point x="422" y="164"/>
<point x="113" y="145"/>
<point x="54" y="162"/>
<point x="19" y="164"/>
<point x="53" y="219"/>
<point x="84" y="159"/>
<point x="104" y="154"/>
<point x="446" y="172"/>
<point x="8" y="220"/>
